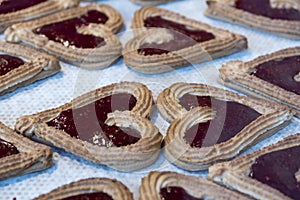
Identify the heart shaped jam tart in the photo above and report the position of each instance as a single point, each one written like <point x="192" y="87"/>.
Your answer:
<point x="91" y="188"/>
<point x="274" y="76"/>
<point x="281" y="17"/>
<point x="165" y="40"/>
<point x="21" y="65"/>
<point x="82" y="36"/>
<point x="209" y="125"/>
<point x="23" y="10"/>
<point x="107" y="126"/>
<point x="19" y="155"/>
<point x="269" y="173"/>
<point x="175" y="186"/>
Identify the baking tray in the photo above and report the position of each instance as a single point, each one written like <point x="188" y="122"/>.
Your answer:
<point x="72" y="81"/>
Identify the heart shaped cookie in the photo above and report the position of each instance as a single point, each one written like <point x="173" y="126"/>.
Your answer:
<point x="174" y="186"/>
<point x="268" y="174"/>
<point x="19" y="155"/>
<point x="166" y="40"/>
<point x="91" y="188"/>
<point x="21" y="65"/>
<point x="107" y="126"/>
<point x="278" y="16"/>
<point x="82" y="36"/>
<point x="274" y="76"/>
<point x="12" y="12"/>
<point x="209" y="124"/>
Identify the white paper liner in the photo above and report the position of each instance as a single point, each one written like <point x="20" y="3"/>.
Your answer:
<point x="72" y="82"/>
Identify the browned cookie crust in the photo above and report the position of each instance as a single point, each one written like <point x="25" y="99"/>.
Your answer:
<point x="37" y="66"/>
<point x="223" y="44"/>
<point x="36" y="11"/>
<point x="235" y="174"/>
<point x="90" y="58"/>
<point x="237" y="75"/>
<point x="273" y="117"/>
<point x="124" y="158"/>
<point x="224" y="10"/>
<point x="111" y="187"/>
<point x="196" y="187"/>
<point x="32" y="156"/>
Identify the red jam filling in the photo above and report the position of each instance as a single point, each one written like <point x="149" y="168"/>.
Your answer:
<point x="264" y="8"/>
<point x="231" y="118"/>
<point x="7" y="149"/>
<point x="183" y="37"/>
<point x="66" y="32"/>
<point x="90" y="196"/>
<point x="278" y="170"/>
<point x="175" y="193"/>
<point x="281" y="72"/>
<point x="8" y="63"/>
<point x="88" y="122"/>
<point x="8" y="6"/>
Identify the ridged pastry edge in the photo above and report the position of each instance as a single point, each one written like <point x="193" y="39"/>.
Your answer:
<point x="90" y="58"/>
<point x="222" y="9"/>
<point x="234" y="174"/>
<point x="112" y="187"/>
<point x="235" y="74"/>
<point x="126" y="158"/>
<point x="200" y="188"/>
<point x="32" y="156"/>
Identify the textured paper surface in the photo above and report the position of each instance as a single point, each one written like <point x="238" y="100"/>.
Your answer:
<point x="73" y="81"/>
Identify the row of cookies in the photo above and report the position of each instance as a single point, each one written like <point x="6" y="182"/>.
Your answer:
<point x="258" y="175"/>
<point x="94" y="44"/>
<point x="110" y="126"/>
<point x="277" y="16"/>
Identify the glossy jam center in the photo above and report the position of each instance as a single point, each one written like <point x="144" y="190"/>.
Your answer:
<point x="264" y="8"/>
<point x="88" y="122"/>
<point x="66" y="32"/>
<point x="8" y="6"/>
<point x="231" y="118"/>
<point x="8" y="63"/>
<point x="7" y="149"/>
<point x="175" y="193"/>
<point x="281" y="73"/>
<point x="90" y="196"/>
<point x="183" y="36"/>
<point x="278" y="170"/>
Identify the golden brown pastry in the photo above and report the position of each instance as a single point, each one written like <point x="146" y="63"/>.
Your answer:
<point x="12" y="11"/>
<point x="274" y="76"/>
<point x="281" y="17"/>
<point x="271" y="173"/>
<point x="19" y="155"/>
<point x="107" y="126"/>
<point x="209" y="125"/>
<point x="91" y="188"/>
<point x="82" y="36"/>
<point x="165" y="41"/>
<point x="175" y="186"/>
<point x="21" y="65"/>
